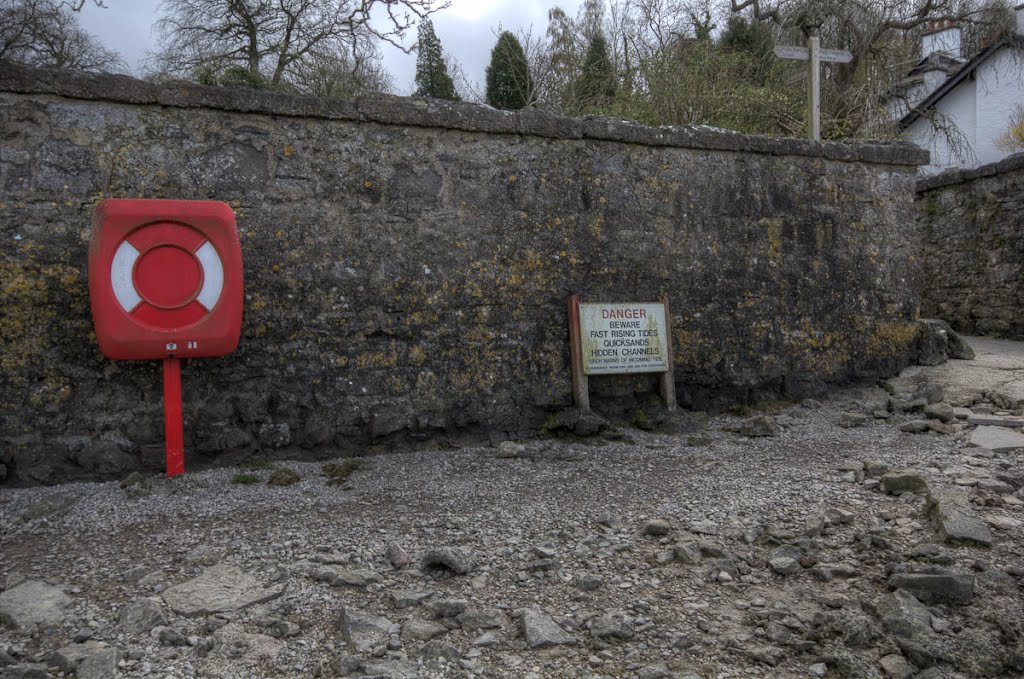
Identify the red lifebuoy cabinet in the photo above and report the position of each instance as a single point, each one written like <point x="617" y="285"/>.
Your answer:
<point x="165" y="282"/>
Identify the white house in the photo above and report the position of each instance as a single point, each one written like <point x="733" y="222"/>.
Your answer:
<point x="958" y="107"/>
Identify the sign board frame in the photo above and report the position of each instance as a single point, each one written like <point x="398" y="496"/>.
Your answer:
<point x="580" y="377"/>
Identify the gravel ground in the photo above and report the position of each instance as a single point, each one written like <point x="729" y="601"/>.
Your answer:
<point x="635" y="554"/>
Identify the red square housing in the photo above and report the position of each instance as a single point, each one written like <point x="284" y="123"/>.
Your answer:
<point x="165" y="278"/>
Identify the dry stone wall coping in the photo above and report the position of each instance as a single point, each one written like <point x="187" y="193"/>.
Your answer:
<point x="953" y="177"/>
<point x="434" y="113"/>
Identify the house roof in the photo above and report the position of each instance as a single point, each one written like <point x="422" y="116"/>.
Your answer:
<point x="1013" y="41"/>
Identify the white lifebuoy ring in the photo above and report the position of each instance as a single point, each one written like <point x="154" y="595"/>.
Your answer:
<point x="123" y="265"/>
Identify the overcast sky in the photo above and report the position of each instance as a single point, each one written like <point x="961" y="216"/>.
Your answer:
<point x="466" y="29"/>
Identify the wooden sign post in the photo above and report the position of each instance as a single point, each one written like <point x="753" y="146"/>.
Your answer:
<point x="813" y="55"/>
<point x="619" y="338"/>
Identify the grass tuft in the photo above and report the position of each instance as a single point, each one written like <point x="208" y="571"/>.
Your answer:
<point x="244" y="479"/>
<point x="283" y="477"/>
<point x="337" y="473"/>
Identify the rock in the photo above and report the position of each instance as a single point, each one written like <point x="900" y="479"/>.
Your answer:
<point x="455" y="559"/>
<point x="284" y="628"/>
<point x="448" y="608"/>
<point x="940" y="411"/>
<point x="53" y="504"/>
<point x="994" y="420"/>
<point x="236" y="644"/>
<point x="485" y="618"/>
<point x="363" y="631"/>
<point x="914" y="426"/>
<point x="422" y="630"/>
<point x="704" y="527"/>
<point x="103" y="664"/>
<point x="141" y="616"/>
<point x="902" y="615"/>
<point x="784" y="565"/>
<point x="68" y="658"/>
<point x="218" y="589"/>
<point x="997" y="439"/>
<point x="168" y="636"/>
<point x="349" y="578"/>
<point x="936" y="341"/>
<point x="903" y="481"/>
<point x="936" y="588"/>
<point x="24" y="671"/>
<point x="31" y="604"/>
<point x="398" y="557"/>
<point x="439" y="649"/>
<point x="406" y="598"/>
<point x="389" y="669"/>
<point x="204" y="555"/>
<point x="895" y="666"/>
<point x="762" y="425"/>
<point x="851" y="420"/>
<point x="955" y="520"/>
<point x="657" y="527"/>
<point x="611" y="627"/>
<point x="929" y="391"/>
<point x="510" y="449"/>
<point x="939" y="427"/>
<point x="688" y="552"/>
<point x="815" y="525"/>
<point x="932" y="345"/>
<point x="274" y="435"/>
<point x="875" y="469"/>
<point x="656" y="671"/>
<point x="1003" y="522"/>
<point x="541" y="631"/>
<point x="818" y="669"/>
<point x="901" y="406"/>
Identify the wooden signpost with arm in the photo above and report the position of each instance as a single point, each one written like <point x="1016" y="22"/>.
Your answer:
<point x="813" y="55"/>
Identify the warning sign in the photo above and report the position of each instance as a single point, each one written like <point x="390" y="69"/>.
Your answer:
<point x="623" y="338"/>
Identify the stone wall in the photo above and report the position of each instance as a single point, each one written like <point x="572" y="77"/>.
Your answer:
<point x="971" y="225"/>
<point x="408" y="262"/>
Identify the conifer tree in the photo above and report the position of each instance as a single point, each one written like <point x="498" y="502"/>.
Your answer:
<point x="509" y="85"/>
<point x="597" y="81"/>
<point x="432" y="79"/>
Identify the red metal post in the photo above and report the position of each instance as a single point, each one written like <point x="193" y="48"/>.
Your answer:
<point x="173" y="429"/>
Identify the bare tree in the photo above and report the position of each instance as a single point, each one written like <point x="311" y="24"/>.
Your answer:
<point x="340" y="74"/>
<point x="46" y="33"/>
<point x="267" y="37"/>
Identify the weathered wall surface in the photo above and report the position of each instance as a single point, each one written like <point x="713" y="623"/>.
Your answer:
<point x="408" y="262"/>
<point x="971" y="227"/>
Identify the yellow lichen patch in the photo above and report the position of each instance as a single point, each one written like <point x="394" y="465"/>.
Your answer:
<point x="685" y="346"/>
<point x="32" y="296"/>
<point x="773" y="227"/>
<point x="289" y="151"/>
<point x="396" y="385"/>
<point x="891" y="338"/>
<point x="417" y="356"/>
<point x="379" y="359"/>
<point x="50" y="390"/>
